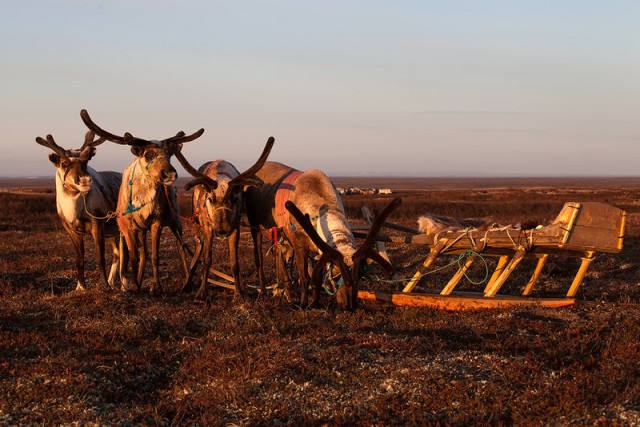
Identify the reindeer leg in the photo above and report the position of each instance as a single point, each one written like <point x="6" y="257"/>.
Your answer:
<point x="234" y="241"/>
<point x="188" y="283"/>
<point x="315" y="286"/>
<point x="156" y="232"/>
<point x="97" y="232"/>
<point x="206" y="263"/>
<point x="115" y="261"/>
<point x="176" y="229"/>
<point x="257" y="258"/>
<point x="124" y="262"/>
<point x="139" y="262"/>
<point x="286" y="261"/>
<point x="78" y="246"/>
<point x="301" y="256"/>
<point x="317" y="276"/>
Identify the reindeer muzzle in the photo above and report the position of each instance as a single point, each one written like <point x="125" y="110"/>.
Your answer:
<point x="168" y="177"/>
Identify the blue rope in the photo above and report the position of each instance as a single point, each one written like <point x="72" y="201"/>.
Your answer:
<point x="130" y="207"/>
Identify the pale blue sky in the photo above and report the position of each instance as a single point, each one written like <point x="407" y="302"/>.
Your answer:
<point x="425" y="88"/>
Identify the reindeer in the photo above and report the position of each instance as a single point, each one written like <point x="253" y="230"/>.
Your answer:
<point x="314" y="194"/>
<point x="147" y="199"/>
<point x="86" y="200"/>
<point x="218" y="207"/>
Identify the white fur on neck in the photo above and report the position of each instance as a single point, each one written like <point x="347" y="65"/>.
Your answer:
<point x="334" y="229"/>
<point x="69" y="205"/>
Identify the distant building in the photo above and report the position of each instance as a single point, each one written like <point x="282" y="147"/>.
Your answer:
<point x="349" y="191"/>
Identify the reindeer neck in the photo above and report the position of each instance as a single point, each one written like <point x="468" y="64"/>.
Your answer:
<point x="69" y="201"/>
<point x="334" y="229"/>
<point x="139" y="188"/>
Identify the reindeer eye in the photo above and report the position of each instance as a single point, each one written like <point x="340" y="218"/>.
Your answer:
<point x="148" y="156"/>
<point x="65" y="164"/>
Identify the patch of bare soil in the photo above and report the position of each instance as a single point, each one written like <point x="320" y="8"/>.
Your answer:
<point x="104" y="357"/>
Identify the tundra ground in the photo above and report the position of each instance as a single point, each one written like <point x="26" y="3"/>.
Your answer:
<point x="104" y="357"/>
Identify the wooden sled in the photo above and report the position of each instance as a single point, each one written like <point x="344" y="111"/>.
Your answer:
<point x="580" y="230"/>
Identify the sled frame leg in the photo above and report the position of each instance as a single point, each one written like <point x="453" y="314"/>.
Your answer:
<point x="542" y="260"/>
<point x="577" y="281"/>
<point x="459" y="275"/>
<point x="493" y="289"/>
<point x="433" y="253"/>
<point x="502" y="263"/>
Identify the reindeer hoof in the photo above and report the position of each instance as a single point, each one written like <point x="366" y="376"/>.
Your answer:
<point x="201" y="296"/>
<point x="80" y="288"/>
<point x="239" y="298"/>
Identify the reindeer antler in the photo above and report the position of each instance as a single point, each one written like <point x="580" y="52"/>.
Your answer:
<point x="89" y="140"/>
<point x="329" y="254"/>
<point x="123" y="140"/>
<point x="200" y="178"/>
<point x="366" y="249"/>
<point x="244" y="176"/>
<point x="181" y="138"/>
<point x="51" y="143"/>
<point x="129" y="139"/>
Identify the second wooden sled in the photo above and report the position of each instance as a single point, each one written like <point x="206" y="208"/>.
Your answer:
<point x="581" y="229"/>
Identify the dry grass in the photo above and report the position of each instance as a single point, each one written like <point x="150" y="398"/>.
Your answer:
<point x="102" y="357"/>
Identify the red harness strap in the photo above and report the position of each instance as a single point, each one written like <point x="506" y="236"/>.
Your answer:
<point x="273" y="235"/>
<point x="175" y="209"/>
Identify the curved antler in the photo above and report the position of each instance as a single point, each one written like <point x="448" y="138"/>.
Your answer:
<point x="329" y="255"/>
<point x="84" y="115"/>
<point x="51" y="143"/>
<point x="239" y="180"/>
<point x="89" y="140"/>
<point x="209" y="183"/>
<point x="366" y="249"/>
<point x="127" y="139"/>
<point x="200" y="178"/>
<point x="305" y="223"/>
<point x="181" y="138"/>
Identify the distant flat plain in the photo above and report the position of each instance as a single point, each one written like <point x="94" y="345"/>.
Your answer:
<point x="410" y="184"/>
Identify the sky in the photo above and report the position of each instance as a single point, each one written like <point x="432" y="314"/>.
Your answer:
<point x="354" y="88"/>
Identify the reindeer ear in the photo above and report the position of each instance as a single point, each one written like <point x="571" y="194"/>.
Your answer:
<point x="137" y="151"/>
<point x="54" y="158"/>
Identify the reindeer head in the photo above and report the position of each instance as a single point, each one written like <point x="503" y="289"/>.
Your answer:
<point x="71" y="165"/>
<point x="348" y="294"/>
<point x="223" y="197"/>
<point x="153" y="156"/>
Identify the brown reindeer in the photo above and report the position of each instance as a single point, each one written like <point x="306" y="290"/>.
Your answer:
<point x="218" y="207"/>
<point x="86" y="201"/>
<point x="314" y="194"/>
<point x="147" y="199"/>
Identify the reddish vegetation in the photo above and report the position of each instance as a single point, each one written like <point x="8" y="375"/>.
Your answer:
<point x="127" y="359"/>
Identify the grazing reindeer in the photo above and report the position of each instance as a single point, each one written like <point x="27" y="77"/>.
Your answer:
<point x="85" y="201"/>
<point x="218" y="207"/>
<point x="147" y="199"/>
<point x="314" y="194"/>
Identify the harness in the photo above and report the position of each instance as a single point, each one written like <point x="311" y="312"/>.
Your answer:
<point x="283" y="194"/>
<point x="130" y="207"/>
